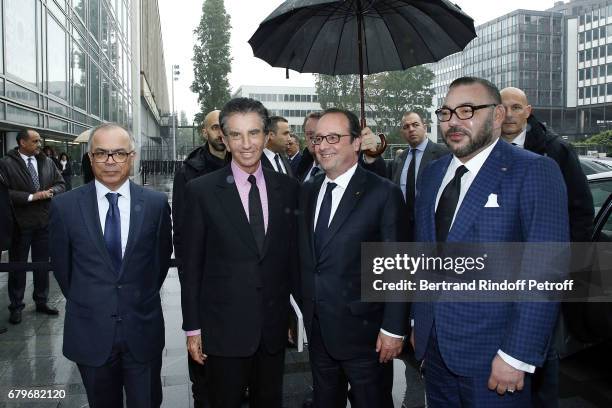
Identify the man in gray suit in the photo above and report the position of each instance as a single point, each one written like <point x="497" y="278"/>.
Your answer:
<point x="408" y="166"/>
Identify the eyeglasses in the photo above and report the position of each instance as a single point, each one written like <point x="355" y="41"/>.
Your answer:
<point x="101" y="156"/>
<point x="462" y="112"/>
<point x="331" y="138"/>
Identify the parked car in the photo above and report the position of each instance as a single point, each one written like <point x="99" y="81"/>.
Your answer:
<point x="594" y="165"/>
<point x="589" y="323"/>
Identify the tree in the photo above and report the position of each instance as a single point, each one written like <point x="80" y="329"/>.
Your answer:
<point x="211" y="58"/>
<point x="388" y="96"/>
<point x="600" y="139"/>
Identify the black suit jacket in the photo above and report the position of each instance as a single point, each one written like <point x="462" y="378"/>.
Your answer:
<point x="238" y="297"/>
<point x="433" y="151"/>
<point x="267" y="164"/>
<point x="96" y="296"/>
<point x="371" y="210"/>
<point x="6" y="217"/>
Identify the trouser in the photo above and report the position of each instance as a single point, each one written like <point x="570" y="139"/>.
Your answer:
<point x="38" y="240"/>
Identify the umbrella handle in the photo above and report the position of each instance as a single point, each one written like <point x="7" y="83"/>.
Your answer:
<point x="381" y="149"/>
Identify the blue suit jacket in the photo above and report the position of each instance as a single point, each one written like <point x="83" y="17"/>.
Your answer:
<point x="532" y="208"/>
<point x="96" y="296"/>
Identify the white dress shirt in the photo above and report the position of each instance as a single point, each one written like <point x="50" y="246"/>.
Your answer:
<point x="124" y="208"/>
<point x="342" y="182"/>
<point x="520" y="139"/>
<point x="474" y="165"/>
<point x="270" y="155"/>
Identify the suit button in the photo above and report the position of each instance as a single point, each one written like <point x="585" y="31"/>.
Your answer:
<point x="119" y="286"/>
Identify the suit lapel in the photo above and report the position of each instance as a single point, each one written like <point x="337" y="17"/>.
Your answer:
<point x="425" y="159"/>
<point x="275" y="207"/>
<point x="485" y="183"/>
<point x="90" y="213"/>
<point x="350" y="198"/>
<point x="229" y="200"/>
<point x="428" y="195"/>
<point x="311" y="207"/>
<point x="399" y="166"/>
<point x="137" y="204"/>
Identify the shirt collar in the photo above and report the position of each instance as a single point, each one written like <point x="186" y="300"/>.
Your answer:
<point x="520" y="139"/>
<point x="242" y="177"/>
<point x="102" y="190"/>
<point x="476" y="162"/>
<point x="25" y="158"/>
<point x="343" y="179"/>
<point x="421" y="147"/>
<point x="269" y="154"/>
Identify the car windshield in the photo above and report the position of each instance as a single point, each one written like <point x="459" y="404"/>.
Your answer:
<point x="592" y="167"/>
<point x="600" y="189"/>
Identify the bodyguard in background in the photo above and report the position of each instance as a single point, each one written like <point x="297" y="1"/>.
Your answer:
<point x="32" y="179"/>
<point x="110" y="244"/>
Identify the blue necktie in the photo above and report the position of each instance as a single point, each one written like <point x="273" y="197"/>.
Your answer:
<point x="112" y="230"/>
<point x="323" y="221"/>
<point x="33" y="174"/>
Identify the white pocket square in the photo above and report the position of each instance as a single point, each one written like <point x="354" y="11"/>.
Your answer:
<point x="492" y="201"/>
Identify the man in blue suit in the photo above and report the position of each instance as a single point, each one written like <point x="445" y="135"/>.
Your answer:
<point x="110" y="244"/>
<point x="483" y="354"/>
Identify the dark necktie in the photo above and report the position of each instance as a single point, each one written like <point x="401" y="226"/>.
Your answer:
<point x="514" y="144"/>
<point x="323" y="221"/>
<point x="314" y="171"/>
<point x="448" y="204"/>
<point x="410" y="184"/>
<point x="278" y="164"/>
<point x="33" y="174"/>
<point x="256" y="214"/>
<point x="112" y="230"/>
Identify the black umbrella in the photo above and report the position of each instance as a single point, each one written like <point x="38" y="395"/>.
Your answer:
<point x="361" y="36"/>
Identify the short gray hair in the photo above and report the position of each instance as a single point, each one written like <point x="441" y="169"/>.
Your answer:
<point x="107" y="126"/>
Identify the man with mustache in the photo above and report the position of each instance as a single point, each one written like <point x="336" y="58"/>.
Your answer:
<point x="523" y="130"/>
<point x="483" y="354"/>
<point x="203" y="160"/>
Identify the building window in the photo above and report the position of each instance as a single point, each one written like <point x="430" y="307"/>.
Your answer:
<point x="79" y="7"/>
<point x="587" y="73"/>
<point x="595" y="34"/>
<point x="589" y="35"/>
<point x="602" y="70"/>
<point x="587" y="92"/>
<point x="595" y="52"/>
<point x="94" y="18"/>
<point x="602" y="32"/>
<point x="581" y="56"/>
<point x="594" y="91"/>
<point x="602" y="90"/>
<point x="94" y="89"/>
<point x="581" y="38"/>
<point x="609" y="89"/>
<point x="57" y="67"/>
<point x="588" y="54"/>
<point x="602" y="51"/>
<point x="79" y="77"/>
<point x="20" y="32"/>
<point x="581" y="74"/>
<point x="581" y="93"/>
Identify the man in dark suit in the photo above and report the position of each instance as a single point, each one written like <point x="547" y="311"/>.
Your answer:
<point x="523" y="130"/>
<point x="203" y="160"/>
<point x="307" y="165"/>
<point x="408" y="166"/>
<point x="483" y="354"/>
<point x="238" y="265"/>
<point x="294" y="155"/>
<point x="32" y="179"/>
<point x="110" y="245"/>
<point x="350" y="341"/>
<point x="275" y="154"/>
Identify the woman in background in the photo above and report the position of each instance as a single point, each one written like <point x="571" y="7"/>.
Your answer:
<point x="66" y="170"/>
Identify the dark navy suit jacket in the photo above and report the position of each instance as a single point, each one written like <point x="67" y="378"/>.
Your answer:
<point x="96" y="296"/>
<point x="372" y="209"/>
<point x="532" y="208"/>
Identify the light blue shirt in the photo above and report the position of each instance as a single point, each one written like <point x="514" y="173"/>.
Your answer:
<point x="420" y="149"/>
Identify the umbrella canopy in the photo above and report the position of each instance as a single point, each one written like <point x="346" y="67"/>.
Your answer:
<point x="322" y="36"/>
<point x="83" y="137"/>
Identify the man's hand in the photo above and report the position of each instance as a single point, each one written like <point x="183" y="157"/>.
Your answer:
<point x="504" y="377"/>
<point x="388" y="347"/>
<point x="194" y="346"/>
<point x="42" y="195"/>
<point x="369" y="141"/>
<point x="412" y="339"/>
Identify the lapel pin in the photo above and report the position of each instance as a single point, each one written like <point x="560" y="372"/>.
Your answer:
<point x="137" y="207"/>
<point x="357" y="193"/>
<point x="504" y="168"/>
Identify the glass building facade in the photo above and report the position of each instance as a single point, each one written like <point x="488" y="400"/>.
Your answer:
<point x="523" y="49"/>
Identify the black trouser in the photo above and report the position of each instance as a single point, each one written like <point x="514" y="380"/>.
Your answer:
<point x="261" y="372"/>
<point x="141" y="380"/>
<point x="23" y="239"/>
<point x="198" y="374"/>
<point x="367" y="377"/>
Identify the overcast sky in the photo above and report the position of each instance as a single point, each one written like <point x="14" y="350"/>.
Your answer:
<point x="180" y="17"/>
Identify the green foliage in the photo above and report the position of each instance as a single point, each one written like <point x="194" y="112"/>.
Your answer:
<point x="388" y="95"/>
<point x="601" y="139"/>
<point x="211" y="58"/>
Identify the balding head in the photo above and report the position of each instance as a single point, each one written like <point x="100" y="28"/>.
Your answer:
<point x="211" y="132"/>
<point x="517" y="112"/>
